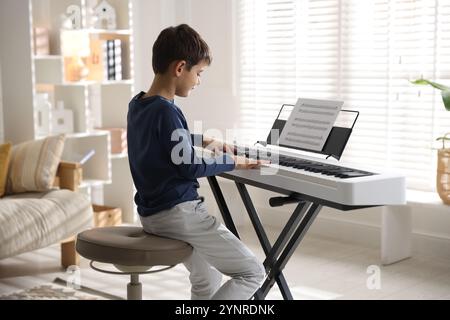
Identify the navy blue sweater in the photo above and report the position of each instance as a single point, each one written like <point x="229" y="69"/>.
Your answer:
<point x="162" y="181"/>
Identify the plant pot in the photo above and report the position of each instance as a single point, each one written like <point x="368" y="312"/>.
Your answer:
<point x="443" y="174"/>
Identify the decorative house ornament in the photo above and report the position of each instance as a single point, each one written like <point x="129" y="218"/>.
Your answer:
<point x="72" y="20"/>
<point x="106" y="16"/>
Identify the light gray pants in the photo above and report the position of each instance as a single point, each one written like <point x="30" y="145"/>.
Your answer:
<point x="215" y="248"/>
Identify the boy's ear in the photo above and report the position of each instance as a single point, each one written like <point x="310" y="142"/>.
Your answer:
<point x="179" y="67"/>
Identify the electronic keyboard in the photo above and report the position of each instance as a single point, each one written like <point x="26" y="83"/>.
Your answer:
<point x="320" y="180"/>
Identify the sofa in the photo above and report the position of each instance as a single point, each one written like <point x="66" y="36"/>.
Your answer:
<point x="31" y="220"/>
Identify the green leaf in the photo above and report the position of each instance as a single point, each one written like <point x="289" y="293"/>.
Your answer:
<point x="420" y="82"/>
<point x="424" y="82"/>
<point x="446" y="99"/>
<point x="443" y="139"/>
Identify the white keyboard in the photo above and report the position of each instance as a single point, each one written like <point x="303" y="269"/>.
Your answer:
<point x="325" y="180"/>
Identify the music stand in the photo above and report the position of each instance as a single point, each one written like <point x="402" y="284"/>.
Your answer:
<point x="335" y="143"/>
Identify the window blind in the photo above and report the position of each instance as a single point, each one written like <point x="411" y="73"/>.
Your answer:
<point x="361" y="52"/>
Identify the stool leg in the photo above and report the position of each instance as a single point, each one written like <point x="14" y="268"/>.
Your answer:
<point x="134" y="288"/>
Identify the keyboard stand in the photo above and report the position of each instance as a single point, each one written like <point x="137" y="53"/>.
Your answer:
<point x="290" y="237"/>
<point x="278" y="255"/>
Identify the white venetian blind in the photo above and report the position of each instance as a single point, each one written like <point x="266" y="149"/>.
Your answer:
<point x="360" y="51"/>
<point x="268" y="56"/>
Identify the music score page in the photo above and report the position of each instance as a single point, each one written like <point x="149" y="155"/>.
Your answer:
<point x="310" y="123"/>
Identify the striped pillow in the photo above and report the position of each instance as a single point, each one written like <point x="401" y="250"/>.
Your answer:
<point x="33" y="165"/>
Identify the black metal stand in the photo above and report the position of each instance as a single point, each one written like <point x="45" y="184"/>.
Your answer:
<point x="290" y="237"/>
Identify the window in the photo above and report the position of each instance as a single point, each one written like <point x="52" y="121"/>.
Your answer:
<point x="363" y="52"/>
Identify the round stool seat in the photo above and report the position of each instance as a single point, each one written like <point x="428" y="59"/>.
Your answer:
<point x="130" y="246"/>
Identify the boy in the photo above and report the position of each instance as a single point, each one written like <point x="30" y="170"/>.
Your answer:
<point x="164" y="169"/>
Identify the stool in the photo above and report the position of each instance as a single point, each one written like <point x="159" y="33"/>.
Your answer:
<point x="132" y="251"/>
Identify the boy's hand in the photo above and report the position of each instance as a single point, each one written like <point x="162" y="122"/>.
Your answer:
<point x="229" y="148"/>
<point x="218" y="146"/>
<point x="246" y="163"/>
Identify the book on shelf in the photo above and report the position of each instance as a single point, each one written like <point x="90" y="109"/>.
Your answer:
<point x="113" y="67"/>
<point x="117" y="59"/>
<point x="105" y="63"/>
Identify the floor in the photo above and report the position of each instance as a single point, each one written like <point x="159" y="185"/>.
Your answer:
<point x="319" y="269"/>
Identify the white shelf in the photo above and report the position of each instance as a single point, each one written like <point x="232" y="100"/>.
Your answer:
<point x="93" y="103"/>
<point x="88" y="183"/>
<point x="122" y="32"/>
<point x="118" y="82"/>
<point x="78" y="83"/>
<point x="80" y="135"/>
<point x="94" y="133"/>
<point x="50" y="70"/>
<point x="116" y="156"/>
<point x="103" y="83"/>
<point x="107" y="31"/>
<point x="48" y="57"/>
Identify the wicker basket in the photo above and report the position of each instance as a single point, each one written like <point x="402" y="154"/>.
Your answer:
<point x="443" y="173"/>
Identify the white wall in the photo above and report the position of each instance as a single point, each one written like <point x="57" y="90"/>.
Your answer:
<point x="17" y="86"/>
<point x="149" y="18"/>
<point x="216" y="103"/>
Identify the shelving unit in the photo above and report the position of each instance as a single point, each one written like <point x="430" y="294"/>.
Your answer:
<point x="95" y="103"/>
<point x="49" y="69"/>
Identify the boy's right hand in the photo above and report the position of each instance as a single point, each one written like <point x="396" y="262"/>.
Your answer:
<point x="242" y="162"/>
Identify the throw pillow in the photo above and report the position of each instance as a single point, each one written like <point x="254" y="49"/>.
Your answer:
<point x="33" y="165"/>
<point x="5" y="154"/>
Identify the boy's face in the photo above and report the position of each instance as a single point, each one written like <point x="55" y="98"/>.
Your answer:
<point x="187" y="80"/>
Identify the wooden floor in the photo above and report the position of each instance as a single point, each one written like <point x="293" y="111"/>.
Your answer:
<point x="320" y="269"/>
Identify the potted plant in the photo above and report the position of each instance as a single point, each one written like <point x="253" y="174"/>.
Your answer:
<point x="443" y="167"/>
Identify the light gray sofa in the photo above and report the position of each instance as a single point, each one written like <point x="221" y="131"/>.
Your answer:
<point x="30" y="221"/>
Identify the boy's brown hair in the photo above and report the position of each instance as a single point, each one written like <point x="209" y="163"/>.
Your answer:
<point x="179" y="43"/>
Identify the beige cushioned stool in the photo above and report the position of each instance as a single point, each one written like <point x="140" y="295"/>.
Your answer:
<point x="132" y="251"/>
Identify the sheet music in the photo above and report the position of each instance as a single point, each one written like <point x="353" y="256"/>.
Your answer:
<point x="310" y="123"/>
